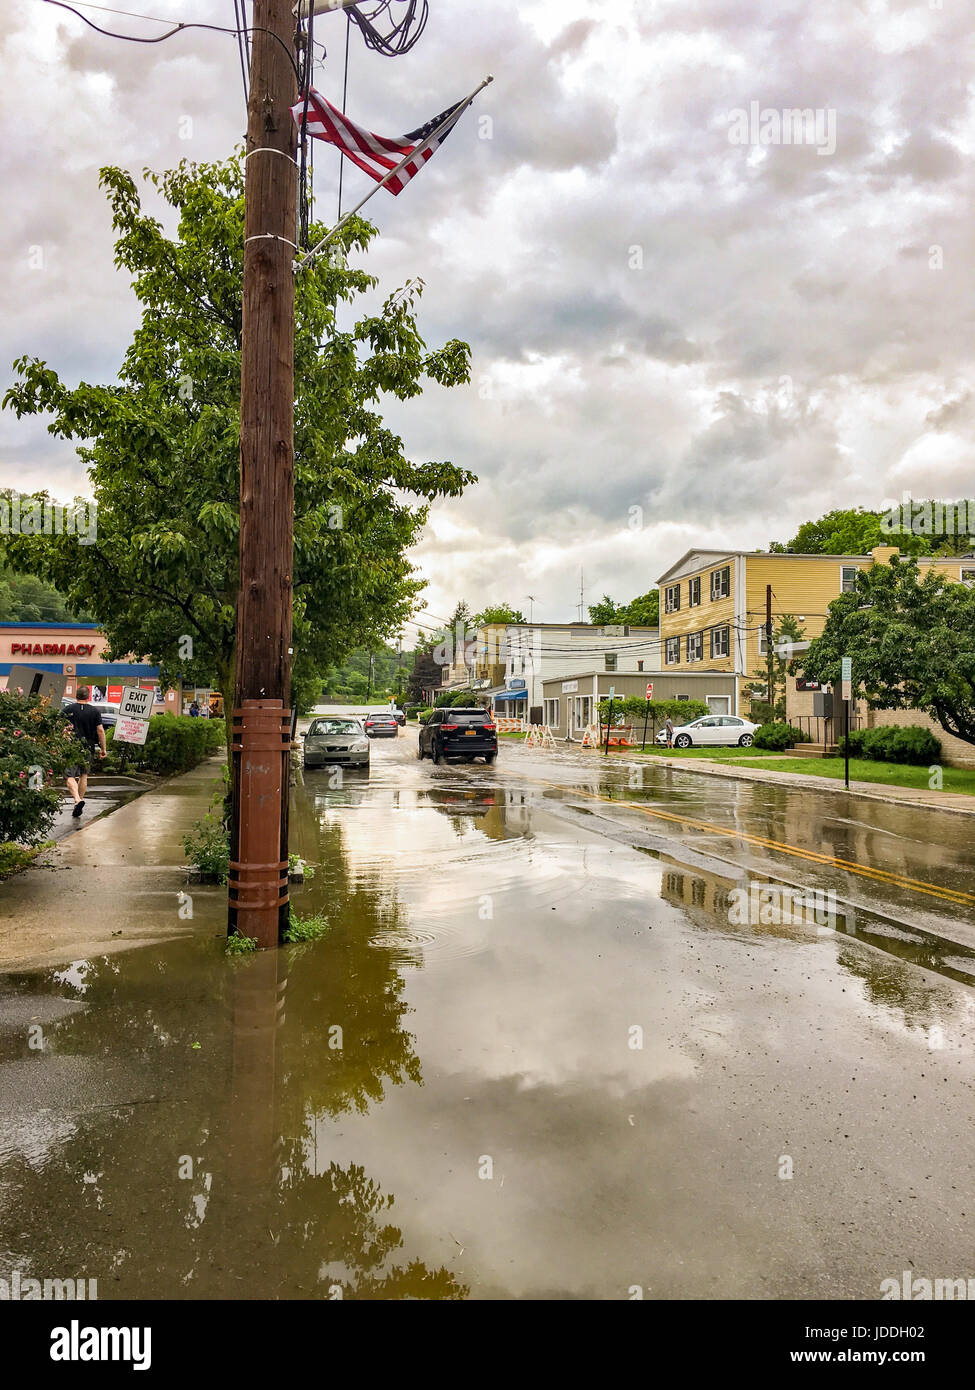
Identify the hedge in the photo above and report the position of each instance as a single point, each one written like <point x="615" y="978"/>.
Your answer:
<point x="635" y="707"/>
<point x="891" y="743"/>
<point x="779" y="736"/>
<point x="174" y="743"/>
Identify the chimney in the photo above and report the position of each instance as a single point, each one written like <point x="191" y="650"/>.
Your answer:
<point x="882" y="554"/>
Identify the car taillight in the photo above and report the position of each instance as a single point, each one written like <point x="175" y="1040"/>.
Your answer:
<point x="488" y="726"/>
<point x="450" y="726"/>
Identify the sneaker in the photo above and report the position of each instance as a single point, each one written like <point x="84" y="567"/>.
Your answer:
<point x="79" y="807"/>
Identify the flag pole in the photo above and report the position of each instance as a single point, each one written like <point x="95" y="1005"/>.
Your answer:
<point x="423" y="145"/>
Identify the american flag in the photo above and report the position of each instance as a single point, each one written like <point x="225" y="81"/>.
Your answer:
<point x="377" y="154"/>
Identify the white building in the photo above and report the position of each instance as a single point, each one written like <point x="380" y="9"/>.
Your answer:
<point x="535" y="652"/>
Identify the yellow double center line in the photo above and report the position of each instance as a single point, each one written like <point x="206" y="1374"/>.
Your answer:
<point x="951" y="895"/>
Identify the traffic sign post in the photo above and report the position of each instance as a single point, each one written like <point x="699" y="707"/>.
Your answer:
<point x="846" y="676"/>
<point x="134" y="713"/>
<point x="646" y="716"/>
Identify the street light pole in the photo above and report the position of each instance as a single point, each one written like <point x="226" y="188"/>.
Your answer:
<point x="258" y="878"/>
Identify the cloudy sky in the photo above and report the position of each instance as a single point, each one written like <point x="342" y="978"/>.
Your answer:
<point x="679" y="337"/>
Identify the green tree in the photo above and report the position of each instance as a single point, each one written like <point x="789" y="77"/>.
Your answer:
<point x="26" y="599"/>
<point x="606" y="611"/>
<point x="161" y="444"/>
<point x="921" y="530"/>
<point x="912" y="642"/>
<point x="645" y="609"/>
<point x="498" y="613"/>
<point x="761" y="706"/>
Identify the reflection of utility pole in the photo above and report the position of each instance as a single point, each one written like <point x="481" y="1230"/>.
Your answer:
<point x="258" y="885"/>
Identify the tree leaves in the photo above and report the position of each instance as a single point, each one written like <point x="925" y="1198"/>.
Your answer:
<point x="161" y="444"/>
<point x="912" y="642"/>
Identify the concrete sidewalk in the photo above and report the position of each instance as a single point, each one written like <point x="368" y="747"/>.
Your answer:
<point x="114" y="883"/>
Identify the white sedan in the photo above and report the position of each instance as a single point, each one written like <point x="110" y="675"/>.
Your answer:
<point x="713" y="729"/>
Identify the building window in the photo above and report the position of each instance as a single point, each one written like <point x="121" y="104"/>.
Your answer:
<point x="639" y="666"/>
<point x="721" y="583"/>
<point x="672" y="598"/>
<point x="610" y="660"/>
<point x="694" y="592"/>
<point x="672" y="651"/>
<point x="848" y="578"/>
<point x="682" y="697"/>
<point x="552" y="713"/>
<point x="695" y="646"/>
<point x="968" y="577"/>
<point x="720" y="641"/>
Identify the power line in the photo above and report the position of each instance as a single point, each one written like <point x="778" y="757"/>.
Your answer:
<point x="177" y="29"/>
<point x="345" y="96"/>
<point x="241" y="18"/>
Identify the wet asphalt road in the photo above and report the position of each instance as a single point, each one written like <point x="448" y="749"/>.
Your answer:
<point x="534" y="1057"/>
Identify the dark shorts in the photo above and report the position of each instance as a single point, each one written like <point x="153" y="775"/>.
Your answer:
<point x="85" y="757"/>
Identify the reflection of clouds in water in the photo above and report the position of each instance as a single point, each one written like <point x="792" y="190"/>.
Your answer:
<point x="35" y="1138"/>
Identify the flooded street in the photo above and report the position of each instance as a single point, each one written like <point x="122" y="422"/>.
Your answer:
<point x="537" y="1055"/>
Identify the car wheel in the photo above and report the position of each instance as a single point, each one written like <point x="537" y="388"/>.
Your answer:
<point x="682" y="741"/>
<point x="745" y="741"/>
<point x="419" y="751"/>
<point x="435" y="753"/>
<point x="489" y="758"/>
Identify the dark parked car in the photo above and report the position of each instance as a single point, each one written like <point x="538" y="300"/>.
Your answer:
<point x="382" y="726"/>
<point x="459" y="733"/>
<point x="399" y="715"/>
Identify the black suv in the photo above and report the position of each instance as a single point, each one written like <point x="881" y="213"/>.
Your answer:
<point x="459" y="733"/>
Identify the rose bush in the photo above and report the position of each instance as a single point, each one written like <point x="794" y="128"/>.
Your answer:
<point x="34" y="751"/>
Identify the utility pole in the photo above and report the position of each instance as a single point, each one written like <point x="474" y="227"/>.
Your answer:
<point x="258" y="880"/>
<point x="768" y="650"/>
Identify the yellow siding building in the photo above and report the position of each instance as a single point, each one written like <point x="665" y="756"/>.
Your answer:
<point x="713" y="604"/>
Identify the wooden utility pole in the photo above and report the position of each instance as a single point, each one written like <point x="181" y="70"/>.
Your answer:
<point x="258" y="885"/>
<point x="768" y="651"/>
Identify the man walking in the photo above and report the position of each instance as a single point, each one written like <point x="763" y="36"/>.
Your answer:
<point x="89" y="733"/>
<point x="669" y="727"/>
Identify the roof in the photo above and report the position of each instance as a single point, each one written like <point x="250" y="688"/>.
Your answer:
<point x="707" y="558"/>
<point x="669" y="674"/>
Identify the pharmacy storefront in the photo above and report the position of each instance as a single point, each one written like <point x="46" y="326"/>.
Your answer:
<point x="76" y="651"/>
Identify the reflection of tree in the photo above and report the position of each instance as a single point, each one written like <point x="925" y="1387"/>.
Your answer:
<point x="896" y="985"/>
<point x="186" y="1171"/>
<point x="143" y="1232"/>
<point x="347" y="981"/>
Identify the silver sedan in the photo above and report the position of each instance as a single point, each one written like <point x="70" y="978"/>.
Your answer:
<point x="336" y="741"/>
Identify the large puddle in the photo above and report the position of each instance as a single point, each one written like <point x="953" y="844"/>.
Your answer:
<point x="529" y="1060"/>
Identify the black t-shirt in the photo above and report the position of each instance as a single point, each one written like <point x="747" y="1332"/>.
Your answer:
<point x="85" y="719"/>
